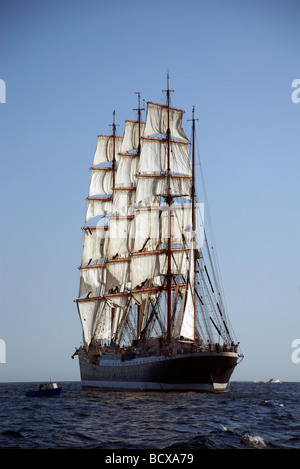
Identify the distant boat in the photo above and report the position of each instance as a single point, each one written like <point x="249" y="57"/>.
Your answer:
<point x="45" y="390"/>
<point x="274" y="380"/>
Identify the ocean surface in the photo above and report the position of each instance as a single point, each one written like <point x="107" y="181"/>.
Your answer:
<point x="249" y="416"/>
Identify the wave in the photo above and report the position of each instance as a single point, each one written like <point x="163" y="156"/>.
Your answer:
<point x="254" y="441"/>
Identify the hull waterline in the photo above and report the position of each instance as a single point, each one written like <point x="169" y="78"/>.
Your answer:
<point x="204" y="371"/>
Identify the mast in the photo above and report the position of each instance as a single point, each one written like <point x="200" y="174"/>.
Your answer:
<point x="114" y="148"/>
<point x="193" y="220"/>
<point x="113" y="188"/>
<point x="169" y="202"/>
<point x="139" y="111"/>
<point x="193" y="172"/>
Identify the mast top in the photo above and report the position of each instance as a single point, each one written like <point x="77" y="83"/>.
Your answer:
<point x="114" y="125"/>
<point x="193" y="114"/>
<point x="168" y="86"/>
<point x="139" y="109"/>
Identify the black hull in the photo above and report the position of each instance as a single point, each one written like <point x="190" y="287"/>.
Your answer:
<point x="201" y="371"/>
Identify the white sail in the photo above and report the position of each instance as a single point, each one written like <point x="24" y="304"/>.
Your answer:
<point x="118" y="273"/>
<point x="102" y="328"/>
<point x="181" y="222"/>
<point x="95" y="320"/>
<point x="132" y="271"/>
<point x="150" y="227"/>
<point x="91" y="278"/>
<point x="101" y="181"/>
<point x="188" y="326"/>
<point x="149" y="186"/>
<point x="157" y="121"/>
<point x="154" y="156"/>
<point x="127" y="169"/>
<point x="117" y="241"/>
<point x="104" y="149"/>
<point x="131" y="135"/>
<point x="123" y="200"/>
<point x="97" y="207"/>
<point x="93" y="244"/>
<point x="145" y="230"/>
<point x="152" y="265"/>
<point x="143" y="267"/>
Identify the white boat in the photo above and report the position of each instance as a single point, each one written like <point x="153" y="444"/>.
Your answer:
<point x="274" y="380"/>
<point x="45" y="390"/>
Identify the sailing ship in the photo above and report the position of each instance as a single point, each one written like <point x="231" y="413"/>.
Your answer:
<point x="150" y="305"/>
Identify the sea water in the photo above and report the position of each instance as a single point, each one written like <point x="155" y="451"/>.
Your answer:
<point x="250" y="415"/>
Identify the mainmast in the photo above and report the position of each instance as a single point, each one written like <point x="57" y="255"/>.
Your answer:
<point x="139" y="111"/>
<point x="169" y="202"/>
<point x="113" y="188"/>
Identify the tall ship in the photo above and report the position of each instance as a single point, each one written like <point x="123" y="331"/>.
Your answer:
<point x="150" y="300"/>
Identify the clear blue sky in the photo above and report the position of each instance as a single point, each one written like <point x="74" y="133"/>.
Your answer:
<point x="67" y="65"/>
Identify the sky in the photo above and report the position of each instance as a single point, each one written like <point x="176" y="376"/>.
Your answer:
<point x="66" y="66"/>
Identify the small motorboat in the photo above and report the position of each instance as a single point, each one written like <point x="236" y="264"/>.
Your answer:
<point x="45" y="390"/>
